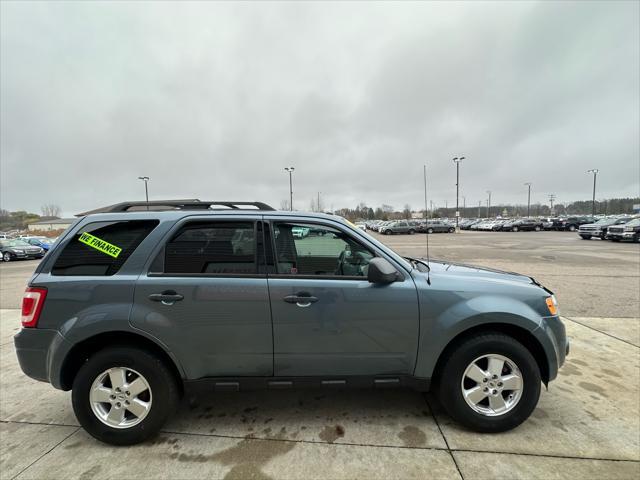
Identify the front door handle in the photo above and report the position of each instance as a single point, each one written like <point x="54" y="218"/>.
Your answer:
<point x="168" y="297"/>
<point x="301" y="299"/>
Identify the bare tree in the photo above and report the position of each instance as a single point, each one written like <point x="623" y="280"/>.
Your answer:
<point x="51" y="210"/>
<point x="407" y="211"/>
<point x="284" y="204"/>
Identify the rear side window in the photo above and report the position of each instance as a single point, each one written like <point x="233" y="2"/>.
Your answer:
<point x="212" y="248"/>
<point x="101" y="248"/>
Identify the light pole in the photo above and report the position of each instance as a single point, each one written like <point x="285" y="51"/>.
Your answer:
<point x="146" y="189"/>
<point x="457" y="161"/>
<point x="290" y="170"/>
<point x="528" y="184"/>
<point x="489" y="204"/>
<point x="593" y="202"/>
<point x="479" y="206"/>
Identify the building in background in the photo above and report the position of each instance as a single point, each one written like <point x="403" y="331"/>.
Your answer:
<point x="49" y="225"/>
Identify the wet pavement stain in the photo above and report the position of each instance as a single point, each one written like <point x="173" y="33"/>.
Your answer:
<point x="592" y="387"/>
<point x="412" y="436"/>
<point x="90" y="473"/>
<point x="331" y="434"/>
<point x="569" y="369"/>
<point x="248" y="457"/>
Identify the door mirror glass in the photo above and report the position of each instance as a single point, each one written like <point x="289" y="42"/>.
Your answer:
<point x="381" y="271"/>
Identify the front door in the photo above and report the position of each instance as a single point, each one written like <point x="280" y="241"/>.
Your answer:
<point x="328" y="320"/>
<point x="206" y="299"/>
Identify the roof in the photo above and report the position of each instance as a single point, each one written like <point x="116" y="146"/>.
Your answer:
<point x="56" y="221"/>
<point x="184" y="204"/>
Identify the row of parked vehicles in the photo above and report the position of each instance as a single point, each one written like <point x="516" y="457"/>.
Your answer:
<point x="615" y="229"/>
<point x="24" y="248"/>
<point x="409" y="226"/>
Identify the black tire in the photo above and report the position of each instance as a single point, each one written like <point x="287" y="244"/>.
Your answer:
<point x="451" y="230"/>
<point x="429" y="230"/>
<point x="586" y="237"/>
<point x="515" y="229"/>
<point x="454" y="366"/>
<point x="162" y="382"/>
<point x="6" y="257"/>
<point x="572" y="228"/>
<point x="614" y="239"/>
<point x="537" y="228"/>
<point x="636" y="238"/>
<point x="411" y="232"/>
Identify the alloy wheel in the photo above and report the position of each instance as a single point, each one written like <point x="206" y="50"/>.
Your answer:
<point x="492" y="385"/>
<point x="120" y="397"/>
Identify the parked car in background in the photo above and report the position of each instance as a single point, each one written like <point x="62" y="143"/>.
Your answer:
<point x="467" y="224"/>
<point x="361" y="226"/>
<point x="42" y="242"/>
<point x="547" y="223"/>
<point x="599" y="228"/>
<point x="627" y="231"/>
<point x="436" y="226"/>
<point x="525" y="225"/>
<point x="571" y="223"/>
<point x="401" y="226"/>
<point x="19" y="250"/>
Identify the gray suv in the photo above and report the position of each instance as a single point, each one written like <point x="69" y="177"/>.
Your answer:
<point x="131" y="309"/>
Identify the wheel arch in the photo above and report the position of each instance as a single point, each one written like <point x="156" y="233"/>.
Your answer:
<point x="81" y="351"/>
<point x="522" y="335"/>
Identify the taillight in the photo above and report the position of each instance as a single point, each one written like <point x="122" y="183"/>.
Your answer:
<point x="32" y="303"/>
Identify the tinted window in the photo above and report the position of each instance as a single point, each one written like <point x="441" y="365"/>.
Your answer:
<point x="318" y="250"/>
<point x="104" y="250"/>
<point x="213" y="248"/>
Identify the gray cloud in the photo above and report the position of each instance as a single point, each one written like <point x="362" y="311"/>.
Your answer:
<point x="212" y="100"/>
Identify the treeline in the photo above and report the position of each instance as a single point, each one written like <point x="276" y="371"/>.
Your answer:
<point x="16" y="220"/>
<point x="611" y="206"/>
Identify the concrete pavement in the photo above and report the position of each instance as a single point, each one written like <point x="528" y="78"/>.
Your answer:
<point x="587" y="424"/>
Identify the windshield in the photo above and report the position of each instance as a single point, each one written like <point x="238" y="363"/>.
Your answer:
<point x="633" y="223"/>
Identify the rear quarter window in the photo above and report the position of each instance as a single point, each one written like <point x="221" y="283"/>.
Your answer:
<point x="101" y="248"/>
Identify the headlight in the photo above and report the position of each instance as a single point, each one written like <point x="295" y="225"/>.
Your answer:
<point x="628" y="229"/>
<point x="552" y="305"/>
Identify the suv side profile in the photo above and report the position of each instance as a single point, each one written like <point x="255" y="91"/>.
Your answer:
<point x="400" y="226"/>
<point x="130" y="309"/>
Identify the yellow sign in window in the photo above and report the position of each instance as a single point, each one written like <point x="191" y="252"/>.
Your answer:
<point x="101" y="245"/>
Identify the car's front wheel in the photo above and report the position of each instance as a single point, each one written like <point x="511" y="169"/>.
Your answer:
<point x="6" y="256"/>
<point x="123" y="395"/>
<point x="489" y="383"/>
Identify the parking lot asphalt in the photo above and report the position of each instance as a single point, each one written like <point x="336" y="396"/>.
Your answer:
<point x="587" y="425"/>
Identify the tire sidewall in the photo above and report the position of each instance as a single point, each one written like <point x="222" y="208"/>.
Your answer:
<point x="451" y="394"/>
<point x="163" y="386"/>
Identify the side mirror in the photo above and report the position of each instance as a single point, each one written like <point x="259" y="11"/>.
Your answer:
<point x="381" y="271"/>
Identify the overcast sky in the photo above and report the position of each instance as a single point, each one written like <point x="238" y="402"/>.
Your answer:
<point x="212" y="101"/>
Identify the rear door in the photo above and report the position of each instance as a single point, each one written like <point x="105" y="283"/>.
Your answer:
<point x="204" y="296"/>
<point x="328" y="320"/>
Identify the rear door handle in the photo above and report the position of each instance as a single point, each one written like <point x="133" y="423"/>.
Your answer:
<point x="301" y="299"/>
<point x="166" y="298"/>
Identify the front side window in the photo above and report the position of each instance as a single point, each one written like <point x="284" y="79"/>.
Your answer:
<point x="101" y="248"/>
<point x="212" y="248"/>
<point x="318" y="250"/>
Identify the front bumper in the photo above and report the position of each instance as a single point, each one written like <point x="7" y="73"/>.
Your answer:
<point x="622" y="235"/>
<point x="553" y="336"/>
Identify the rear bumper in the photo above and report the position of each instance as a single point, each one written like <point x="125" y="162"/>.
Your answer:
<point x="33" y="348"/>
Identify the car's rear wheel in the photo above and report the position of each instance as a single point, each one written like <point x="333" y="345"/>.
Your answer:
<point x="515" y="229"/>
<point x="6" y="257"/>
<point x="489" y="383"/>
<point x="572" y="228"/>
<point x="451" y="230"/>
<point x="411" y="232"/>
<point x="123" y="395"/>
<point x="537" y="228"/>
<point x="429" y="230"/>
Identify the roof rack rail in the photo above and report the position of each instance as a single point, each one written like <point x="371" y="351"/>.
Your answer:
<point x="188" y="204"/>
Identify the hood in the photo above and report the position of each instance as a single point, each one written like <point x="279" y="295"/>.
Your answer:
<point x="471" y="271"/>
